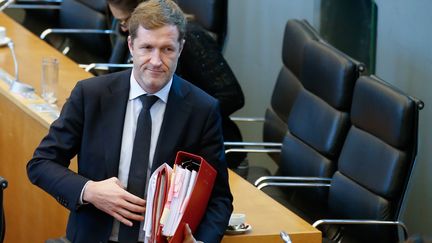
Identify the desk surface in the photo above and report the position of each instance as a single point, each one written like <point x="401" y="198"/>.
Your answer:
<point x="266" y="216"/>
<point x="32" y="215"/>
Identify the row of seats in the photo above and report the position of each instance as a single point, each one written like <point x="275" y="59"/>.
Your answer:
<point x="348" y="141"/>
<point x="91" y="37"/>
<point x="85" y="31"/>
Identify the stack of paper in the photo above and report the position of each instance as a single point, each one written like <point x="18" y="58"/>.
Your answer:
<point x="176" y="197"/>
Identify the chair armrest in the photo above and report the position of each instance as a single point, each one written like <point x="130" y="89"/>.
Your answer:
<point x="271" y="179"/>
<point x="38" y="1"/>
<point x="36" y="4"/>
<point x="247" y="119"/>
<point x="293" y="184"/>
<point x="46" y="32"/>
<point x="104" y="66"/>
<point x="256" y="150"/>
<point x="362" y="221"/>
<point x="254" y="144"/>
<point x="5" y="4"/>
<point x="3" y="183"/>
<point x="285" y="237"/>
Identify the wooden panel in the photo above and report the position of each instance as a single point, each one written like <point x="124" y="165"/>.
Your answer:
<point x="31" y="214"/>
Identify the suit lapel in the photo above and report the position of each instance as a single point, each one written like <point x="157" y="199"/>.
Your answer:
<point x="176" y="114"/>
<point x="113" y="105"/>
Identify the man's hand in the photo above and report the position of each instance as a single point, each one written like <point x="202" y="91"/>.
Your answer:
<point x="111" y="197"/>
<point x="188" y="237"/>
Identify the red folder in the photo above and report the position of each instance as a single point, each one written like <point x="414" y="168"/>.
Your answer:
<point x="197" y="204"/>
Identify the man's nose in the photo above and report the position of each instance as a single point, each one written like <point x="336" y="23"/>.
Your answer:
<point x="156" y="58"/>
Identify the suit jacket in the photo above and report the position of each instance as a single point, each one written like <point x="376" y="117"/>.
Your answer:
<point x="91" y="125"/>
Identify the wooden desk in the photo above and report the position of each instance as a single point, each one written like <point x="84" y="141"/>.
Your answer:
<point x="34" y="216"/>
<point x="266" y="216"/>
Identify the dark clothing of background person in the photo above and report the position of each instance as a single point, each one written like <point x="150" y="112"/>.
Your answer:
<point x="202" y="63"/>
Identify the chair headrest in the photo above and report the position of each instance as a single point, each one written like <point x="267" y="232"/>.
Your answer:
<point x="383" y="111"/>
<point x="329" y="74"/>
<point x="98" y="5"/>
<point x="211" y="14"/>
<point x="296" y="35"/>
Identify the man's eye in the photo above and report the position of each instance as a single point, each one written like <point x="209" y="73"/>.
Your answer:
<point x="168" y="49"/>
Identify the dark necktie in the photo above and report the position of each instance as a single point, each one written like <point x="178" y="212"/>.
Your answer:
<point x="139" y="164"/>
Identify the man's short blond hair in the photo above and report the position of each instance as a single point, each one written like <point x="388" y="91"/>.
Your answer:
<point x="154" y="14"/>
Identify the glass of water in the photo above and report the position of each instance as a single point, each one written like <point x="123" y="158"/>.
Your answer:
<point x="49" y="79"/>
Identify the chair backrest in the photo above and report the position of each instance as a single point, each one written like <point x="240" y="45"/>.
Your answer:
<point x="376" y="159"/>
<point x="287" y="85"/>
<point x="210" y="14"/>
<point x="86" y="14"/>
<point x="318" y="123"/>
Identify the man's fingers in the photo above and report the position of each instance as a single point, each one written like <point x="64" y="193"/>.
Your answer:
<point x="134" y="208"/>
<point x="110" y="196"/>
<point x="188" y="237"/>
<point x="122" y="219"/>
<point x="132" y="203"/>
<point x="134" y="199"/>
<point x="130" y="215"/>
<point x="188" y="230"/>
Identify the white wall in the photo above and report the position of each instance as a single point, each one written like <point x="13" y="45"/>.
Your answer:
<point x="404" y="58"/>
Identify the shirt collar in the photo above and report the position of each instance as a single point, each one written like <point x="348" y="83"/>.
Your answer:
<point x="136" y="90"/>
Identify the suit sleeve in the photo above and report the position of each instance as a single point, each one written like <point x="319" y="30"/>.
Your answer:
<point x="48" y="168"/>
<point x="213" y="225"/>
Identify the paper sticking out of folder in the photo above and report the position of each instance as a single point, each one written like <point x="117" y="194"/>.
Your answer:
<point x="177" y="196"/>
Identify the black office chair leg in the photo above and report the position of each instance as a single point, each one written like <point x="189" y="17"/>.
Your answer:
<point x="3" y="185"/>
<point x="3" y="227"/>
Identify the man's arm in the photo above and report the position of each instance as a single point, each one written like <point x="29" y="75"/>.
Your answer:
<point x="48" y="168"/>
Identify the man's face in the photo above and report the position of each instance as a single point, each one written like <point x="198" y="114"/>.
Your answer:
<point x="121" y="15"/>
<point x="155" y="53"/>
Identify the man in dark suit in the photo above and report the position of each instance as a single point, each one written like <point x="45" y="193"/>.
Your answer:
<point x="98" y="124"/>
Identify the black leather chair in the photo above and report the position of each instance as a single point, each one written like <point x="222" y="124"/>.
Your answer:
<point x="210" y="14"/>
<point x="376" y="160"/>
<point x="374" y="167"/>
<point x="35" y="15"/>
<point x="83" y="31"/>
<point x="317" y="126"/>
<point x="297" y="35"/>
<point x="316" y="84"/>
<point x="3" y="185"/>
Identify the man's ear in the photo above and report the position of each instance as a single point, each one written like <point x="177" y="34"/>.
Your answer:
<point x="130" y="44"/>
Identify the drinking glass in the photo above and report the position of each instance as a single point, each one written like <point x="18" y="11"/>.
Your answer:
<point x="49" y="80"/>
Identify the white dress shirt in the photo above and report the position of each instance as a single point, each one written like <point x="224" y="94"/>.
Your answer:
<point x="133" y="109"/>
